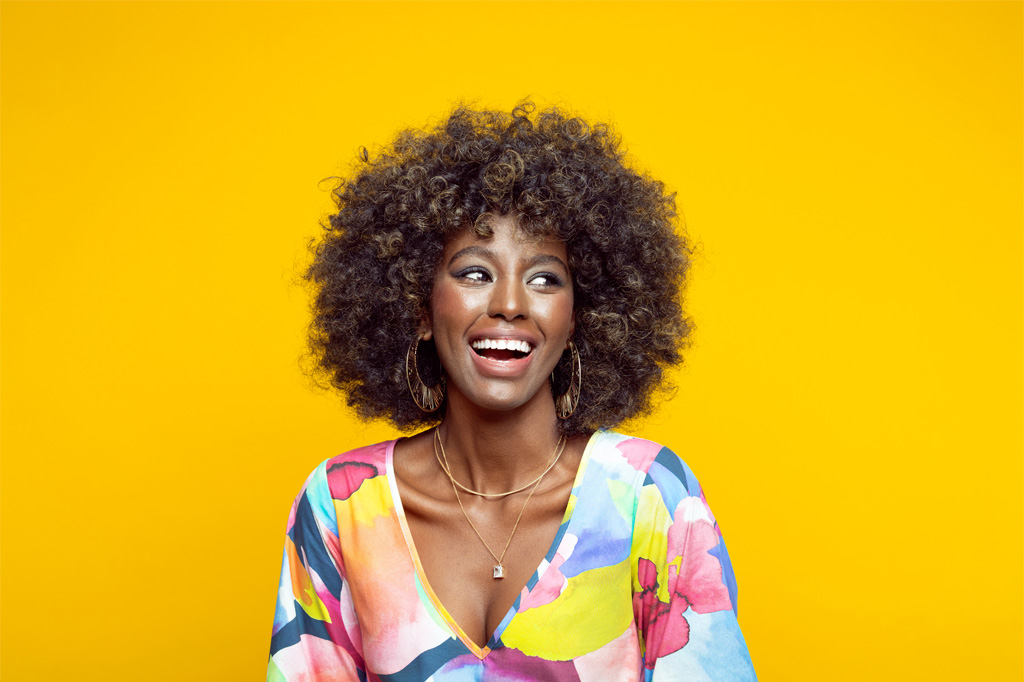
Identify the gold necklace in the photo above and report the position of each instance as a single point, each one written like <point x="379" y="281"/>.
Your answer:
<point x="499" y="568"/>
<point x="559" y="448"/>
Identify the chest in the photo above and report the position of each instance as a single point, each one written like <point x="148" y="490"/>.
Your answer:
<point x="419" y="581"/>
<point x="565" y="600"/>
<point x="462" y="548"/>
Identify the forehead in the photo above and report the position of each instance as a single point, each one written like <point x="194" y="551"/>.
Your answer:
<point x="507" y="238"/>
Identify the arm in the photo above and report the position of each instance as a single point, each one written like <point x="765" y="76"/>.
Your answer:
<point x="684" y="597"/>
<point x="315" y="635"/>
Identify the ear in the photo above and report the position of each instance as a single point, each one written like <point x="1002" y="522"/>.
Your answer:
<point x="426" y="327"/>
<point x="572" y="329"/>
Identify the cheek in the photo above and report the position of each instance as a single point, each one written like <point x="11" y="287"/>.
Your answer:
<point x="560" y="315"/>
<point x="450" y="310"/>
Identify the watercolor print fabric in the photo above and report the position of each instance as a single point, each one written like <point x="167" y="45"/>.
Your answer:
<point x="637" y="584"/>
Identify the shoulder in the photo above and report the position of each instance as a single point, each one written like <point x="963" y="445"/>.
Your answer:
<point x="652" y="462"/>
<point x="345" y="473"/>
<point x="338" y="477"/>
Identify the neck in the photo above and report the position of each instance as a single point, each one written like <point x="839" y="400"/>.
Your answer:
<point x="494" y="451"/>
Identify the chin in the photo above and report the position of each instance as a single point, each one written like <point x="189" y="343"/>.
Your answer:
<point x="501" y="401"/>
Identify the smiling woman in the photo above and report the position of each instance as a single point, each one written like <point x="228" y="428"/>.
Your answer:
<point x="509" y="283"/>
<point x="501" y="315"/>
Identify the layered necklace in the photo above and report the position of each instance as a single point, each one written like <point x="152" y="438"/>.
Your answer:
<point x="442" y="459"/>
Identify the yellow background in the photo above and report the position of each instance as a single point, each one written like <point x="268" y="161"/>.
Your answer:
<point x="852" y="405"/>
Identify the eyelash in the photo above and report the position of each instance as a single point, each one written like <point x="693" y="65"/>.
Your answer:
<point x="465" y="274"/>
<point x="553" y="279"/>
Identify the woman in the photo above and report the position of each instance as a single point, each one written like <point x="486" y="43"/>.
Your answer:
<point x="507" y="282"/>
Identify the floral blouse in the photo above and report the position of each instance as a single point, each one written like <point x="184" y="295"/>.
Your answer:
<point x="637" y="584"/>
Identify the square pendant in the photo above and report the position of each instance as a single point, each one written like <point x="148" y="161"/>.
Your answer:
<point x="499" y="571"/>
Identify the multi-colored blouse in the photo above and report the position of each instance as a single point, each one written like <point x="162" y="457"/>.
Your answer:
<point x="637" y="584"/>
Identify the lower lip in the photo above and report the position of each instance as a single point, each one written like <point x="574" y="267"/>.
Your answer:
<point x="501" y="368"/>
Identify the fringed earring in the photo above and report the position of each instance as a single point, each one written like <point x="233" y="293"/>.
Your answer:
<point x="566" y="403"/>
<point x="427" y="398"/>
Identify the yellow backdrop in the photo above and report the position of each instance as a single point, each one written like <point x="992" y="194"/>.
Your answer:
<point x="852" y="405"/>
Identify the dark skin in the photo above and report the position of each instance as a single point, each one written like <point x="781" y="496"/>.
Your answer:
<point x="500" y="426"/>
<point x="458" y="567"/>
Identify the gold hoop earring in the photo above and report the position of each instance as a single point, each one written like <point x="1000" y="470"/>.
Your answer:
<point x="427" y="398"/>
<point x="566" y="403"/>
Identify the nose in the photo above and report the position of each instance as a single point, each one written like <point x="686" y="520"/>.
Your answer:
<point x="508" y="299"/>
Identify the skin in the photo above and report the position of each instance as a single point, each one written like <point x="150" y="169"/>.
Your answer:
<point x="499" y="430"/>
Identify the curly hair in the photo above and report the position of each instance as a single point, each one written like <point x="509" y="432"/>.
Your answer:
<point x="558" y="176"/>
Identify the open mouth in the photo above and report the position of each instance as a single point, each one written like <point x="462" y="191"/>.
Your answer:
<point x="502" y="350"/>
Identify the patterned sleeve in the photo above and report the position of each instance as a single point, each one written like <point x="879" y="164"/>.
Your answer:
<point x="314" y="635"/>
<point x="684" y="591"/>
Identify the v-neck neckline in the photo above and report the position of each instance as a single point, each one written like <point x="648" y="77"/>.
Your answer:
<point x="563" y="526"/>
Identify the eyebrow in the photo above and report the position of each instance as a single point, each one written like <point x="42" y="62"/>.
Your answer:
<point x="484" y="252"/>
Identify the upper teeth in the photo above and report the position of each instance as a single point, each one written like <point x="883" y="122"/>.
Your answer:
<point x="502" y="344"/>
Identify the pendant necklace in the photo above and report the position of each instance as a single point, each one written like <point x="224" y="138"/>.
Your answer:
<point x="499" y="568"/>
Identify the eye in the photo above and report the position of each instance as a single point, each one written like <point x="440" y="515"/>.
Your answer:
<point x="546" y="279"/>
<point x="473" y="275"/>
